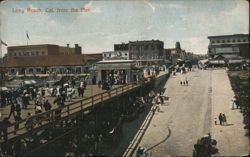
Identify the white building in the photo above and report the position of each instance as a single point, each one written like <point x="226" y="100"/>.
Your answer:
<point x="114" y="55"/>
<point x="226" y="44"/>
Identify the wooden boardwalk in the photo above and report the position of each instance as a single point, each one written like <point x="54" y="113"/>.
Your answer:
<point x="69" y="111"/>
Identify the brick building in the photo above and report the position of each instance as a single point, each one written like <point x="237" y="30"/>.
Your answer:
<point x="75" y="63"/>
<point x="41" y="50"/>
<point x="142" y="50"/>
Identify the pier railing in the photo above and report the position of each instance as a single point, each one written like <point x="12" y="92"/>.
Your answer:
<point x="50" y="118"/>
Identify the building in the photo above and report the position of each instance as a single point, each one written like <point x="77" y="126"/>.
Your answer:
<point x="127" y="62"/>
<point x="114" y="55"/>
<point x="41" y="50"/>
<point x="244" y="50"/>
<point x="142" y="50"/>
<point x="75" y="63"/>
<point x="122" y="71"/>
<point x="226" y="44"/>
<point x="48" y="58"/>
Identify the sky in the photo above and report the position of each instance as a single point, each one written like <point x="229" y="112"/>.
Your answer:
<point x="97" y="25"/>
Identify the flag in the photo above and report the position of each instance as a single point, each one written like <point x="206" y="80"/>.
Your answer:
<point x="3" y="43"/>
<point x="27" y="35"/>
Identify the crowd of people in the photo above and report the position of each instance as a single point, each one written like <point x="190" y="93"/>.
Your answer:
<point x="19" y="99"/>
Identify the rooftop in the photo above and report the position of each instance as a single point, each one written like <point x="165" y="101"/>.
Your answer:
<point x="116" y="61"/>
<point x="52" y="60"/>
<point x="232" y="35"/>
<point x="141" y="41"/>
<point x="23" y="46"/>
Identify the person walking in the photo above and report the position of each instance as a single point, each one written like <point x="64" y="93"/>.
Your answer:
<point x="29" y="124"/>
<point x="60" y="103"/>
<point x="233" y="102"/>
<point x="17" y="120"/>
<point x="47" y="106"/>
<point x="220" y="118"/>
<point x="5" y="124"/>
<point x="157" y="103"/>
<point x="12" y="110"/>
<point x="181" y="83"/>
<point x="237" y="103"/>
<point x="18" y="108"/>
<point x="24" y="101"/>
<point x="224" y="119"/>
<point x="215" y="121"/>
<point x="99" y="84"/>
<point x="187" y="82"/>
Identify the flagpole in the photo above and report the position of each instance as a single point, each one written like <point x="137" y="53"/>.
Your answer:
<point x="1" y="50"/>
<point x="1" y="65"/>
<point x="27" y="37"/>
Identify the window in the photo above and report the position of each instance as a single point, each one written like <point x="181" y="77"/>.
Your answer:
<point x="12" y="71"/>
<point x="109" y="54"/>
<point x="37" y="53"/>
<point x="104" y="55"/>
<point x="125" y="54"/>
<point x="228" y="41"/>
<point x="233" y="41"/>
<point x="239" y="40"/>
<point x="31" y="70"/>
<point x="213" y="41"/>
<point x="42" y="53"/>
<point x="32" y="53"/>
<point x="152" y="47"/>
<point x="218" y="41"/>
<point x="223" y="41"/>
<point x="159" y="47"/>
<point x="244" y="40"/>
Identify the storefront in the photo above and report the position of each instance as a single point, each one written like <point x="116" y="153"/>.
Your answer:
<point x="120" y="71"/>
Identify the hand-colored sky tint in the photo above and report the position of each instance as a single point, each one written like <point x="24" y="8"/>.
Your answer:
<point x="104" y="23"/>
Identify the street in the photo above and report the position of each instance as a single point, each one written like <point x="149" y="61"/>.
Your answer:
<point x="187" y="116"/>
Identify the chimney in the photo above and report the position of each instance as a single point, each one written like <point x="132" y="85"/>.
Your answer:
<point x="78" y="49"/>
<point x="67" y="45"/>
